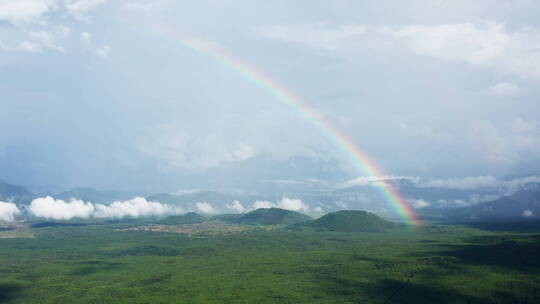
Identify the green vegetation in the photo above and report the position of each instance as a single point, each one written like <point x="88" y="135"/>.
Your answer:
<point x="272" y="216"/>
<point x="188" y="218"/>
<point x="227" y="218"/>
<point x="348" y="221"/>
<point x="108" y="263"/>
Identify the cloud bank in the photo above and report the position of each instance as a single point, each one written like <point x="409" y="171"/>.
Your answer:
<point x="135" y="207"/>
<point x="206" y="207"/>
<point x="50" y="208"/>
<point x="8" y="211"/>
<point x="285" y="203"/>
<point x="479" y="182"/>
<point x="236" y="206"/>
<point x="377" y="180"/>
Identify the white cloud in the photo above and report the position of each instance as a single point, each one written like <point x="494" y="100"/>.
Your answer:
<point x="504" y="89"/>
<point x="528" y="213"/>
<point x="419" y="203"/>
<point x="205" y="207"/>
<point x="51" y="208"/>
<point x="135" y="207"/>
<point x="179" y="149"/>
<point x="479" y="198"/>
<point x="146" y="5"/>
<point x="516" y="183"/>
<point x="25" y="11"/>
<point x="520" y="125"/>
<point x="342" y="205"/>
<point x="467" y="42"/>
<point x="478" y="182"/>
<point x="453" y="203"/>
<point x="8" y="211"/>
<point x="85" y="38"/>
<point x="236" y="206"/>
<point x="28" y="46"/>
<point x="285" y="203"/>
<point x="103" y="51"/>
<point x="319" y="35"/>
<point x="64" y="31"/>
<point x="318" y="209"/>
<point x="377" y="180"/>
<point x="263" y="204"/>
<point x="293" y="204"/>
<point x="40" y="40"/>
<point x="487" y="44"/>
<point x="46" y="39"/>
<point x="187" y="191"/>
<point x="80" y="8"/>
<point x="466" y="183"/>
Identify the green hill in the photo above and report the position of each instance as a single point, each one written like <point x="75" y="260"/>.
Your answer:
<point x="350" y="221"/>
<point x="272" y="216"/>
<point x="188" y="218"/>
<point x="228" y="218"/>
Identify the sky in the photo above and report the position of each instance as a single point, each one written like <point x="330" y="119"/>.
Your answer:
<point x="124" y="94"/>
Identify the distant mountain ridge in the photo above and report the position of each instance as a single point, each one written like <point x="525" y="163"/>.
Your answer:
<point x="14" y="193"/>
<point x="522" y="205"/>
<point x="95" y="196"/>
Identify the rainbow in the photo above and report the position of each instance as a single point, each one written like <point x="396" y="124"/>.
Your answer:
<point x="363" y="163"/>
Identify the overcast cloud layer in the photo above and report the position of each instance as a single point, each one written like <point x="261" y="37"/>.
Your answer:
<point x="92" y="92"/>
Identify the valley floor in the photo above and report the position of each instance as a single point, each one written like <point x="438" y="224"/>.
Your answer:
<point x="435" y="264"/>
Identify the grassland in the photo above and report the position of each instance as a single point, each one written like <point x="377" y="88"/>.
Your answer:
<point x="435" y="264"/>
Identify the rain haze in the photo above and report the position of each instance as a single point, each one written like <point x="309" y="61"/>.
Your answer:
<point x="111" y="94"/>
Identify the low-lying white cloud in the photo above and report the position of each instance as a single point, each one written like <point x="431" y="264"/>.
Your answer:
<point x="8" y="211"/>
<point x="285" y="203"/>
<point x="135" y="207"/>
<point x="206" y="207"/>
<point x="50" y="208"/>
<point x="377" y="180"/>
<point x="293" y="204"/>
<point x="478" y="182"/>
<point x="262" y="204"/>
<point x="236" y="206"/>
